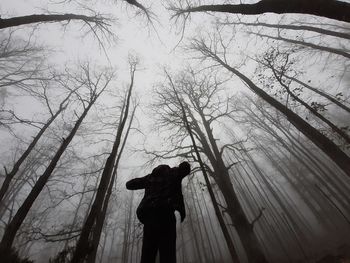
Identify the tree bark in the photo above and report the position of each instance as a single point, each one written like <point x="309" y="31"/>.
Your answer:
<point x="337" y="10"/>
<point x="43" y="18"/>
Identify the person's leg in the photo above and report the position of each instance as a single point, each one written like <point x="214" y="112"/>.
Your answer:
<point x="167" y="243"/>
<point x="149" y="243"/>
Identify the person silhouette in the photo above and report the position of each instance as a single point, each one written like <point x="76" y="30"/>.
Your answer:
<point x="163" y="196"/>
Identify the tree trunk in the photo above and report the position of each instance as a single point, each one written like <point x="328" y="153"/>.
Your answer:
<point x="226" y="234"/>
<point x="12" y="228"/>
<point x="196" y="243"/>
<point x="216" y="241"/>
<point x="320" y="140"/>
<point x="297" y="27"/>
<point x="102" y="215"/>
<point x="83" y="247"/>
<point x="19" y="162"/>
<point x="307" y="44"/>
<point x="197" y="216"/>
<point x="234" y="208"/>
<point x="338" y="10"/>
<point x="319" y="92"/>
<point x="30" y="19"/>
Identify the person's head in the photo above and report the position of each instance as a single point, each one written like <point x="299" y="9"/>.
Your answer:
<point x="185" y="168"/>
<point x="160" y="170"/>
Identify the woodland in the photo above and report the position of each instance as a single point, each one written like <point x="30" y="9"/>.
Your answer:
<point x="254" y="94"/>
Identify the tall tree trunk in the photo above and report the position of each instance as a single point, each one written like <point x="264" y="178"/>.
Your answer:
<point x="83" y="247"/>
<point x="134" y="240"/>
<point x="312" y="163"/>
<point x="321" y="93"/>
<point x="338" y="10"/>
<point x="23" y="157"/>
<point x="307" y="44"/>
<point x="307" y="86"/>
<point x="103" y="247"/>
<point x="30" y="19"/>
<point x="301" y="153"/>
<point x="102" y="215"/>
<point x="196" y="243"/>
<point x="111" y="248"/>
<point x="320" y="140"/>
<point x="75" y="218"/>
<point x="234" y="208"/>
<point x="273" y="235"/>
<point x="216" y="241"/>
<point x="12" y="228"/>
<point x="183" y="246"/>
<point x="197" y="216"/>
<point x="297" y="27"/>
<point x="225" y="232"/>
<point x="126" y="242"/>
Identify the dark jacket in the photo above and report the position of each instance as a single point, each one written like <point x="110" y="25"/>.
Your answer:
<point x="163" y="191"/>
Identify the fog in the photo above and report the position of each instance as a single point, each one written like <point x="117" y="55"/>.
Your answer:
<point x="253" y="94"/>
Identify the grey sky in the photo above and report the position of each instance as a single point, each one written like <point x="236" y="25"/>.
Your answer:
<point x="155" y="47"/>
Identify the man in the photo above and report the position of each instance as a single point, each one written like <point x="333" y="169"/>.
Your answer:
<point x="163" y="195"/>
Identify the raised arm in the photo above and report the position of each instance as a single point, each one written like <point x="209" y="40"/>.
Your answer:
<point x="137" y="183"/>
<point x="184" y="169"/>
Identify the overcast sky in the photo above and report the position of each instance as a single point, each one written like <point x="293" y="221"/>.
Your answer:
<point x="154" y="44"/>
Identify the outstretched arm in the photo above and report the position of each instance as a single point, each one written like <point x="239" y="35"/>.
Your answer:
<point x="137" y="183"/>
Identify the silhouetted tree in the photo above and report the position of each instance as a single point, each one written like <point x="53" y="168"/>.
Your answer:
<point x="201" y="95"/>
<point x="94" y="91"/>
<point x="83" y="248"/>
<point x="324" y="143"/>
<point x="333" y="9"/>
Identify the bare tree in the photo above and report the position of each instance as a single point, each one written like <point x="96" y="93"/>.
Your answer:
<point x="97" y="209"/>
<point x="324" y="143"/>
<point x="226" y="234"/>
<point x="21" y="62"/>
<point x="201" y="100"/>
<point x="300" y="163"/>
<point x="94" y="90"/>
<point x="102" y="216"/>
<point x="280" y="63"/>
<point x="334" y="99"/>
<point x="16" y="166"/>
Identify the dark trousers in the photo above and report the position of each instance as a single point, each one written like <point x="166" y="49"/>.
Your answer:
<point x="159" y="234"/>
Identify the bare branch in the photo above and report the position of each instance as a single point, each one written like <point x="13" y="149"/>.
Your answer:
<point x="257" y="217"/>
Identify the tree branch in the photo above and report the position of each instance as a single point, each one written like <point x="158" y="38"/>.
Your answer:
<point x="49" y="18"/>
<point x="257" y="217"/>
